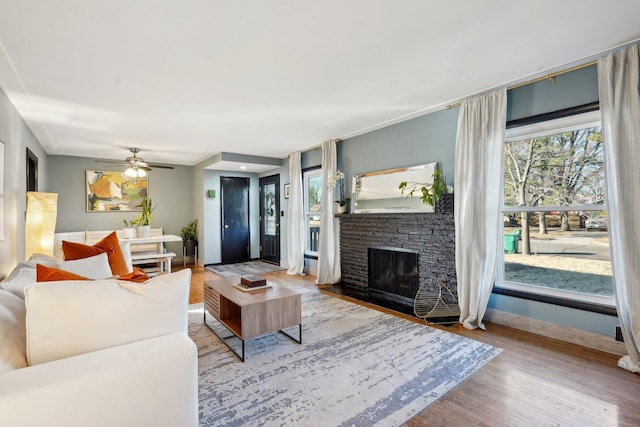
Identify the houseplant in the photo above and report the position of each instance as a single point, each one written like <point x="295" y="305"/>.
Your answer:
<point x="143" y="221"/>
<point x="189" y="234"/>
<point x="343" y="202"/>
<point x="432" y="192"/>
<point x="128" y="231"/>
<point x="190" y="231"/>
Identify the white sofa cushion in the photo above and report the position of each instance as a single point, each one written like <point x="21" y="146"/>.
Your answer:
<point x="94" y="267"/>
<point x="25" y="273"/>
<point x="152" y="382"/>
<point x="12" y="332"/>
<point x="68" y="318"/>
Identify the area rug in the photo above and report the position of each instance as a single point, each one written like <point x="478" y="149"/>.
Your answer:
<point x="243" y="268"/>
<point x="355" y="367"/>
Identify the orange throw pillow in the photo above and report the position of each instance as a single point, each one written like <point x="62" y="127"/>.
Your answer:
<point x="50" y="274"/>
<point x="110" y="245"/>
<point x="137" y="275"/>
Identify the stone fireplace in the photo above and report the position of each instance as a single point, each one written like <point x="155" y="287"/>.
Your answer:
<point x="396" y="240"/>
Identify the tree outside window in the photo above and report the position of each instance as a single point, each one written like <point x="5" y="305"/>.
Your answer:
<point x="555" y="220"/>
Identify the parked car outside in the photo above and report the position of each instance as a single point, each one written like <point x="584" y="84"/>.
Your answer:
<point x="596" y="223"/>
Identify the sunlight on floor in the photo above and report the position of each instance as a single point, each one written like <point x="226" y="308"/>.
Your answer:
<point x="518" y="386"/>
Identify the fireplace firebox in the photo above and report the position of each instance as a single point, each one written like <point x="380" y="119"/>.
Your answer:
<point x="393" y="270"/>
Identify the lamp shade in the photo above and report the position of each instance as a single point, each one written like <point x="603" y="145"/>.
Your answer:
<point x="40" y="223"/>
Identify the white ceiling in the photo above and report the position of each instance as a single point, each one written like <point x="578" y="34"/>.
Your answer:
<point x="187" y="80"/>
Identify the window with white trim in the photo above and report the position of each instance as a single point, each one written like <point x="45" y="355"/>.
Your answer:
<point x="554" y="182"/>
<point x="312" y="183"/>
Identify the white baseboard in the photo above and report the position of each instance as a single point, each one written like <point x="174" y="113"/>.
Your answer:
<point x="580" y="337"/>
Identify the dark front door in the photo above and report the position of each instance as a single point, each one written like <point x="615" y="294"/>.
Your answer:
<point x="235" y="219"/>
<point x="270" y="219"/>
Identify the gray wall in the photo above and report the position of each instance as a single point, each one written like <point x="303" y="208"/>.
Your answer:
<point x="172" y="191"/>
<point x="568" y="90"/>
<point x="425" y="139"/>
<point x="17" y="137"/>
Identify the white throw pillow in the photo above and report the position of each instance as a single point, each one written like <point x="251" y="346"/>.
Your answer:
<point x="25" y="273"/>
<point x="94" y="267"/>
<point x="12" y="332"/>
<point x="20" y="277"/>
<point x="68" y="318"/>
<point x="43" y="259"/>
<point x="126" y="252"/>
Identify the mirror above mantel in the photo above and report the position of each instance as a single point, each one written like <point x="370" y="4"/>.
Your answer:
<point x="377" y="192"/>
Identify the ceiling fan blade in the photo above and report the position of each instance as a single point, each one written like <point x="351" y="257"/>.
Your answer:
<point x="153" y="165"/>
<point x="136" y="162"/>
<point x="116" y="162"/>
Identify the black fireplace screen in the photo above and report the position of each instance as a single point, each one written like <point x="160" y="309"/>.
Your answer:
<point x="393" y="270"/>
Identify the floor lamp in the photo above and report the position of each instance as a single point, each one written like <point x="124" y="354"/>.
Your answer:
<point x="40" y="223"/>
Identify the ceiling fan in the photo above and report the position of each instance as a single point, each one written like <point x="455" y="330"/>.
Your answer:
<point x="137" y="167"/>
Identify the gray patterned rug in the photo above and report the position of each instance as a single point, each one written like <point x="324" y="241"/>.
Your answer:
<point x="243" y="268"/>
<point x="356" y="367"/>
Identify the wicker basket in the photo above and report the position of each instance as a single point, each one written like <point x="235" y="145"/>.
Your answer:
<point x="429" y="302"/>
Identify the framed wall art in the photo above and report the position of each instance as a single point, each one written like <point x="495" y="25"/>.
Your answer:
<point x="112" y="191"/>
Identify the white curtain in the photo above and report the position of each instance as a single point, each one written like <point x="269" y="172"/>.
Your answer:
<point x="296" y="228"/>
<point x="478" y="173"/>
<point x="619" y="87"/>
<point x="329" y="251"/>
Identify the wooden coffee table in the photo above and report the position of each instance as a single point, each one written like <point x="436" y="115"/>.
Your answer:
<point x="248" y="314"/>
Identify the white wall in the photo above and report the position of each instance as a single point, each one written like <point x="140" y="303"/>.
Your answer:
<point x="17" y="137"/>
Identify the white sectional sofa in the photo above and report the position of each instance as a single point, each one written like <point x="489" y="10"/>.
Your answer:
<point x="96" y="353"/>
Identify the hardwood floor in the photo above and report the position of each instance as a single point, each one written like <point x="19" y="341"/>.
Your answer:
<point x="535" y="381"/>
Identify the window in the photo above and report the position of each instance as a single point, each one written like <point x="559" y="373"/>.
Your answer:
<point x="312" y="195"/>
<point x="555" y="219"/>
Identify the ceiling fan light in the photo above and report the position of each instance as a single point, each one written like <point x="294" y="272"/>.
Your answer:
<point x="131" y="173"/>
<point x="141" y="173"/>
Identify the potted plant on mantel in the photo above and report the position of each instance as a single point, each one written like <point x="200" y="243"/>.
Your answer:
<point x="189" y="234"/>
<point x="143" y="221"/>
<point x="435" y="194"/>
<point x="343" y="202"/>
